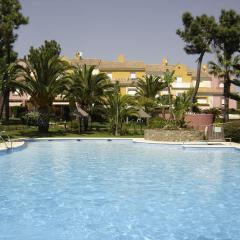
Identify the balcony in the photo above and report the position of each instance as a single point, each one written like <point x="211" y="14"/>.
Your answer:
<point x="181" y="85"/>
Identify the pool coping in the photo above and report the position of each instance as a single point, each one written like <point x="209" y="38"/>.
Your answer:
<point x="21" y="143"/>
<point x="15" y="144"/>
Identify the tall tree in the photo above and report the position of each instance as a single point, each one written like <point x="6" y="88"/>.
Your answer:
<point x="87" y="88"/>
<point x="227" y="69"/>
<point x="168" y="78"/>
<point x="227" y="44"/>
<point x="118" y="108"/>
<point x="182" y="104"/>
<point x="148" y="89"/>
<point x="198" y="34"/>
<point x="11" y="19"/>
<point x="42" y="76"/>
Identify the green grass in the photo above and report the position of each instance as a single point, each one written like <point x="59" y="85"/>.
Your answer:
<point x="32" y="132"/>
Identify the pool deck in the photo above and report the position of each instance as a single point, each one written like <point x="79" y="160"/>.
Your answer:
<point x="203" y="144"/>
<point x="8" y="145"/>
<point x="18" y="143"/>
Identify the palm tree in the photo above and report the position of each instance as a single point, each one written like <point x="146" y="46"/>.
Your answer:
<point x="11" y="85"/>
<point x="182" y="104"/>
<point x="118" y="108"/>
<point x="226" y="69"/>
<point x="168" y="78"/>
<point x="149" y="86"/>
<point x="11" y="19"/>
<point x="42" y="76"/>
<point x="87" y="88"/>
<point x="148" y="89"/>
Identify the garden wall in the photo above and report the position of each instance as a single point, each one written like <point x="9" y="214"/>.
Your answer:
<point x="198" y="121"/>
<point x="173" y="135"/>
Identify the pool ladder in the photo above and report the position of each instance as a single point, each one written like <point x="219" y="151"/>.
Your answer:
<point x="4" y="141"/>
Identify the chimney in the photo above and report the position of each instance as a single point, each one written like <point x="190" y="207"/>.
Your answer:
<point x="205" y="68"/>
<point x="121" y="58"/>
<point x="78" y="55"/>
<point x="164" y="62"/>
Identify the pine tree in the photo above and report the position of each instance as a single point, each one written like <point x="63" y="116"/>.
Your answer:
<point x="198" y="35"/>
<point x="11" y="19"/>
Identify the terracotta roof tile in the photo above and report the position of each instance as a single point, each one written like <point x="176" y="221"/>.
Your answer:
<point x="114" y="65"/>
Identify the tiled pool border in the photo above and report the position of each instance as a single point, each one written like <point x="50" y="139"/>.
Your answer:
<point x="134" y="140"/>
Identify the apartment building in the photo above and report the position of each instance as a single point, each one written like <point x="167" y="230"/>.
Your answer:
<point x="210" y="94"/>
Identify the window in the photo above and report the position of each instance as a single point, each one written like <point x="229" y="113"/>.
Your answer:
<point x="179" y="79"/>
<point x="202" y="100"/>
<point x="222" y="101"/>
<point x="95" y="71"/>
<point x="133" y="75"/>
<point x="131" y="91"/>
<point x="109" y="75"/>
<point x="221" y="85"/>
<point x="15" y="93"/>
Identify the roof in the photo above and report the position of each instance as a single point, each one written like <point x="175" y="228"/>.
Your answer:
<point x="114" y="65"/>
<point x="153" y="69"/>
<point x="89" y="62"/>
<point x="143" y="114"/>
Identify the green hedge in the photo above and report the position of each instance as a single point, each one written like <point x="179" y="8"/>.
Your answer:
<point x="232" y="130"/>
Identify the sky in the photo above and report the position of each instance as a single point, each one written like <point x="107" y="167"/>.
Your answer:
<point x="140" y="29"/>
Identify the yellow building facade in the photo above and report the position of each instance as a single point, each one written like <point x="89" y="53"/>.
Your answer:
<point x="127" y="72"/>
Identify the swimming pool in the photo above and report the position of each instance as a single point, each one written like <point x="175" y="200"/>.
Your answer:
<point x="98" y="189"/>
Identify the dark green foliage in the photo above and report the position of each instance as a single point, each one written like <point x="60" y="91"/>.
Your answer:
<point x="32" y="118"/>
<point x="149" y="86"/>
<point x="157" y="122"/>
<point x="87" y="88"/>
<point x="43" y="78"/>
<point x="11" y="19"/>
<point x="118" y="108"/>
<point x="227" y="35"/>
<point x="168" y="78"/>
<point x="232" y="130"/>
<point x="198" y="34"/>
<point x="227" y="43"/>
<point x="226" y="69"/>
<point x="182" y="104"/>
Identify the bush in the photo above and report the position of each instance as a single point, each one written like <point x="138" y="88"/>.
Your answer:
<point x="32" y="118"/>
<point x="157" y="122"/>
<point x="74" y="124"/>
<point x="232" y="130"/>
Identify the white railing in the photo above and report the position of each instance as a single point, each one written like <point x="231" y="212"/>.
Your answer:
<point x="181" y="85"/>
<point x="3" y="133"/>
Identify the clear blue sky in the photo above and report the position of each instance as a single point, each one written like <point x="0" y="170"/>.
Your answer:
<point x="140" y="29"/>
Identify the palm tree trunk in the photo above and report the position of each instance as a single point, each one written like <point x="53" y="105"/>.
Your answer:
<point x="6" y="105"/>
<point x="170" y="102"/>
<point x="226" y="98"/>
<point x="198" y="79"/>
<point x="43" y="121"/>
<point x="1" y="106"/>
<point x="6" y="89"/>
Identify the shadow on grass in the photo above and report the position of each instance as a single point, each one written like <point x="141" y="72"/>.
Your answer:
<point x="33" y="133"/>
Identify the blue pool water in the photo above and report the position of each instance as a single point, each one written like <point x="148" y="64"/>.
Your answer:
<point x="119" y="190"/>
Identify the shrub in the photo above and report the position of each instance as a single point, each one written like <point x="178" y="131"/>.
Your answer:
<point x="157" y="122"/>
<point x="32" y="118"/>
<point x="232" y="130"/>
<point x="74" y="124"/>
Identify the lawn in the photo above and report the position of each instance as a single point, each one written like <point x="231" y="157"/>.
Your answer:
<point x="23" y="131"/>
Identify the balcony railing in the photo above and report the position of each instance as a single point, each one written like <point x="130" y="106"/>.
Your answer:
<point x="181" y="85"/>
